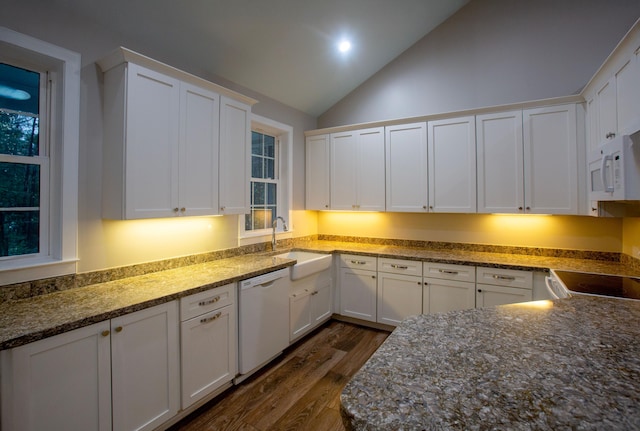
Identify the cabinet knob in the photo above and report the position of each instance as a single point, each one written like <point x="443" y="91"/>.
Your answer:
<point x="326" y="206"/>
<point x="479" y="290"/>
<point x="528" y="208"/>
<point x="424" y="207"/>
<point x="183" y="209"/>
<point x="221" y="208"/>
<point x="175" y="210"/>
<point x="520" y="208"/>
<point x="610" y="135"/>
<point x="105" y="333"/>
<point x="119" y="329"/>
<point x="430" y="207"/>
<point x="373" y="276"/>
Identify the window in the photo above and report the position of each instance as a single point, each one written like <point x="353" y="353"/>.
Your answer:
<point x="39" y="131"/>
<point x="271" y="167"/>
<point x="23" y="160"/>
<point x="264" y="182"/>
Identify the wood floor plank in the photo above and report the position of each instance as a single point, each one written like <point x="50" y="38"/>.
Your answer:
<point x="300" y="390"/>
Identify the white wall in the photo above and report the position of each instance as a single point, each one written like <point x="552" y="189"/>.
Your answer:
<point x="106" y="243"/>
<point x="492" y="52"/>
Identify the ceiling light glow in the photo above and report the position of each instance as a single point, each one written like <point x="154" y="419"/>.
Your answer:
<point x="13" y="93"/>
<point x="344" y="46"/>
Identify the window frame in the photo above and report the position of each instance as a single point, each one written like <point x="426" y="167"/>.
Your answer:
<point x="284" y="155"/>
<point x="62" y="131"/>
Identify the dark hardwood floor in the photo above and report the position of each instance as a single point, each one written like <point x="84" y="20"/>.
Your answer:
<point x="300" y="390"/>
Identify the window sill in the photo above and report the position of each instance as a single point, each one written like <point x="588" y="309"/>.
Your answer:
<point x="249" y="238"/>
<point x="35" y="269"/>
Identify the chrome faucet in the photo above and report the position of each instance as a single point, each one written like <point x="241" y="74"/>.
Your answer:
<point x="273" y="226"/>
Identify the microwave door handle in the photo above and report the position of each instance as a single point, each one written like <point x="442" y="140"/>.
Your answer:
<point x="603" y="173"/>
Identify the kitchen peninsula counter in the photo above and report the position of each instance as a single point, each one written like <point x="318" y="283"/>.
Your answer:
<point x="565" y="364"/>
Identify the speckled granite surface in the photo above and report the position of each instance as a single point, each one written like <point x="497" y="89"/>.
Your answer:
<point x="31" y="319"/>
<point x="574" y="365"/>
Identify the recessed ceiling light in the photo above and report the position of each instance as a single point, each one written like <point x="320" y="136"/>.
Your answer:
<point x="344" y="46"/>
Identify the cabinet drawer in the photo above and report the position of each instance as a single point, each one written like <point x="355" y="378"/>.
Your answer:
<point x="446" y="271"/>
<point x="358" y="262"/>
<point x="505" y="277"/>
<point x="400" y="266"/>
<point x="203" y="302"/>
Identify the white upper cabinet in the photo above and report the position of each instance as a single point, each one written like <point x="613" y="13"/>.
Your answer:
<point x="452" y="165"/>
<point x="551" y="160"/>
<point x="317" y="172"/>
<point x="358" y="170"/>
<point x="500" y="162"/>
<point x="235" y="141"/>
<point x="173" y="144"/>
<point x="199" y="126"/>
<point x="406" y="163"/>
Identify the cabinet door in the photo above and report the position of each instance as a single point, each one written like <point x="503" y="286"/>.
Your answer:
<point x="208" y="353"/>
<point x="358" y="294"/>
<point x="452" y="165"/>
<point x="321" y="308"/>
<point x="440" y="296"/>
<point x="152" y="110"/>
<point x="551" y="160"/>
<point x="406" y="163"/>
<point x="344" y="150"/>
<point x="199" y="134"/>
<point x="399" y="296"/>
<point x="59" y="383"/>
<point x="490" y="296"/>
<point x="606" y="108"/>
<point x="235" y="141"/>
<point x="371" y="177"/>
<point x="299" y="313"/>
<point x="500" y="162"/>
<point x="317" y="172"/>
<point x="144" y="366"/>
<point x="628" y="96"/>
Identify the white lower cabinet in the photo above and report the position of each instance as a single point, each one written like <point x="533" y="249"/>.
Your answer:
<point x="310" y="303"/>
<point x="448" y="287"/>
<point x="208" y="342"/>
<point x="120" y="375"/>
<point x="358" y="287"/>
<point x="399" y="290"/>
<point x="497" y="286"/>
<point x="59" y="383"/>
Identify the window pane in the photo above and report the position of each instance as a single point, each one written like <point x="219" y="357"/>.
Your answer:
<point x="18" y="134"/>
<point x="256" y="144"/>
<point x="271" y="194"/>
<point x="19" y="185"/>
<point x="258" y="195"/>
<point x="270" y="169"/>
<point x="269" y="146"/>
<point x="19" y="89"/>
<point x="19" y="232"/>
<point x="256" y="167"/>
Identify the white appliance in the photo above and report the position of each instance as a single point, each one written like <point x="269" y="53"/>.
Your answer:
<point x="614" y="170"/>
<point x="263" y="304"/>
<point x="563" y="284"/>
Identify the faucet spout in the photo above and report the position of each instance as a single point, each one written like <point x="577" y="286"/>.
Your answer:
<point x="273" y="230"/>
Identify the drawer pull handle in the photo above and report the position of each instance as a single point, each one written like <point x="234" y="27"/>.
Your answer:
<point x="503" y="277"/>
<point x="447" y="271"/>
<point x="393" y="265"/>
<point x="212" y="318"/>
<point x="314" y="292"/>
<point x="209" y="302"/>
<point x="358" y="262"/>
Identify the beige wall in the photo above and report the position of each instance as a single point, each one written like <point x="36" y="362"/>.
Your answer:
<point x="631" y="236"/>
<point x="567" y="232"/>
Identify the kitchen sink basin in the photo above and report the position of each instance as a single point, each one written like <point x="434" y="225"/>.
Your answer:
<point x="308" y="263"/>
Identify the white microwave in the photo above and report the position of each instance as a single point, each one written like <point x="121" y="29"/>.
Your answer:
<point x="614" y="170"/>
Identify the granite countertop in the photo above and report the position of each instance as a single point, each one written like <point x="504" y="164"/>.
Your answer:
<point x="28" y="320"/>
<point x="549" y="365"/>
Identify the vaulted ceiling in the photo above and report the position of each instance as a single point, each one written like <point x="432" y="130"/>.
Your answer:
<point x="284" y="49"/>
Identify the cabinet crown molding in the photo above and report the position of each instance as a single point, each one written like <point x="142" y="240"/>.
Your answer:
<point x="124" y="55"/>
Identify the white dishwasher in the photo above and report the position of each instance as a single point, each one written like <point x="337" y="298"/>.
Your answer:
<point x="263" y="303"/>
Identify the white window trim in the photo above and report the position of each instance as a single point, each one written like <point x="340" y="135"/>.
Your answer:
<point x="65" y="129"/>
<point x="284" y="133"/>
